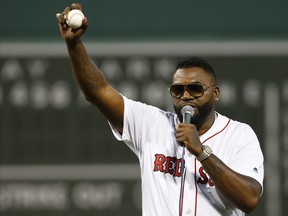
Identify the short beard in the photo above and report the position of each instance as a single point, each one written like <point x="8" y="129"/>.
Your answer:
<point x="204" y="112"/>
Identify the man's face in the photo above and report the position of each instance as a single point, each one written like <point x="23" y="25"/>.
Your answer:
<point x="203" y="105"/>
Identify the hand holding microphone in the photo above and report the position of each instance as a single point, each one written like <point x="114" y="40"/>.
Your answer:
<point x="186" y="133"/>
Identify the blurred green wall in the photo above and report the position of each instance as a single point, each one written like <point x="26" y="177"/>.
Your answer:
<point x="150" y="20"/>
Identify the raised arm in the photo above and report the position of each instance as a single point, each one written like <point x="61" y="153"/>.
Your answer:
<point x="92" y="82"/>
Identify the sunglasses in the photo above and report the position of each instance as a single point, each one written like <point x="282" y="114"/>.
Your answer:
<point x="195" y="90"/>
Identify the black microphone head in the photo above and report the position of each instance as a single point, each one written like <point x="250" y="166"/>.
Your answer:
<point x="188" y="110"/>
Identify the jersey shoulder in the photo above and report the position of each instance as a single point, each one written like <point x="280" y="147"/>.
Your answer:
<point x="237" y="129"/>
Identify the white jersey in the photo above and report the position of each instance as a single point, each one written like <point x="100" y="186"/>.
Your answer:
<point x="150" y="133"/>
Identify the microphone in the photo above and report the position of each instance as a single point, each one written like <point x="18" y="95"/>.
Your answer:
<point x="187" y="113"/>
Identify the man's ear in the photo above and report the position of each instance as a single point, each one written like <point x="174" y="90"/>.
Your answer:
<point x="216" y="93"/>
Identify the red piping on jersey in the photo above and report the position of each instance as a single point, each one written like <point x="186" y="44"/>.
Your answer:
<point x="196" y="191"/>
<point x="217" y="132"/>
<point x="181" y="204"/>
<point x="195" y="177"/>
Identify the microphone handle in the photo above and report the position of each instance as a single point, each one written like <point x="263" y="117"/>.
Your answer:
<point x="187" y="118"/>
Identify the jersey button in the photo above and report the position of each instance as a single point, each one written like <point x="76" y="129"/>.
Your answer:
<point x="189" y="187"/>
<point x="188" y="211"/>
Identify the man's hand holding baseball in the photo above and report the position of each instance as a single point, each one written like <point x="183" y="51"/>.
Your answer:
<point x="69" y="34"/>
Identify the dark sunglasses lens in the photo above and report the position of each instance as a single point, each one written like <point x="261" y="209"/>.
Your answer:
<point x="176" y="91"/>
<point x="196" y="90"/>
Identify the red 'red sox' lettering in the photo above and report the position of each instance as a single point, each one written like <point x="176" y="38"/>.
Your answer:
<point x="203" y="179"/>
<point x="172" y="165"/>
<point x="168" y="164"/>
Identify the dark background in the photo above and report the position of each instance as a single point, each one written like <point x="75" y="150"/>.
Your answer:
<point x="47" y="128"/>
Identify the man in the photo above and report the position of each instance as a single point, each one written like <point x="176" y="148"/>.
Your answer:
<point x="220" y="171"/>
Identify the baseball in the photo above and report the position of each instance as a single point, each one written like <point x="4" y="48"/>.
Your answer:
<point x="74" y="18"/>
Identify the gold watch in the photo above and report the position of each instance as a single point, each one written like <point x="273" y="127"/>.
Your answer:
<point x="207" y="151"/>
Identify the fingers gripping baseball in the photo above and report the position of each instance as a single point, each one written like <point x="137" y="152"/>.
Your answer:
<point x="187" y="135"/>
<point x="73" y="29"/>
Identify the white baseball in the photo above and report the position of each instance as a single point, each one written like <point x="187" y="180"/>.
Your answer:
<point x="74" y="18"/>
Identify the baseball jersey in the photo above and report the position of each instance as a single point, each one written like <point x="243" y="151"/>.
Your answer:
<point x="150" y="133"/>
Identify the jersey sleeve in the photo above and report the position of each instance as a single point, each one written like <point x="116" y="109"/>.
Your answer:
<point x="138" y="122"/>
<point x="248" y="159"/>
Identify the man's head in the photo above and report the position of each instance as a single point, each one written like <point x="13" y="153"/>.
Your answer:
<point x="194" y="83"/>
<point x="196" y="62"/>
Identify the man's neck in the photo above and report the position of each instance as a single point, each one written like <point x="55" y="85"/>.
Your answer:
<point x="208" y="123"/>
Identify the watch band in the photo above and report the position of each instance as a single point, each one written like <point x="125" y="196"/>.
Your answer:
<point x="207" y="151"/>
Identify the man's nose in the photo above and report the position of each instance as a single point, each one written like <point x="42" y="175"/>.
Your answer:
<point x="186" y="95"/>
